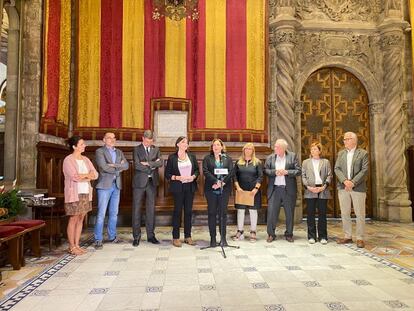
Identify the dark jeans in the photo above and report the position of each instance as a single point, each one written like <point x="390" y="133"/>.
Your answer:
<point x="217" y="208"/>
<point x="312" y="205"/>
<point x="183" y="199"/>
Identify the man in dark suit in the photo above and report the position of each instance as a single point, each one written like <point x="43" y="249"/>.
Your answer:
<point x="110" y="162"/>
<point x="147" y="160"/>
<point x="282" y="168"/>
<point x="351" y="169"/>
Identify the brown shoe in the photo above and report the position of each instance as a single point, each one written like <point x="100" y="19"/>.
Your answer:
<point x="270" y="239"/>
<point x="360" y="243"/>
<point x="189" y="241"/>
<point x="289" y="239"/>
<point x="344" y="241"/>
<point x="176" y="243"/>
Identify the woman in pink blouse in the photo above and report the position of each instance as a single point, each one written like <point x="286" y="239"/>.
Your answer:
<point x="78" y="171"/>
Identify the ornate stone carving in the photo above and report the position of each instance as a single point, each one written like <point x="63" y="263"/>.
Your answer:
<point x="363" y="48"/>
<point x="284" y="95"/>
<point x="396" y="179"/>
<point x="339" y="10"/>
<point x="285" y="36"/>
<point x="392" y="40"/>
<point x="376" y="108"/>
<point x="393" y="4"/>
<point x="272" y="106"/>
<point x="272" y="7"/>
<point x="285" y="3"/>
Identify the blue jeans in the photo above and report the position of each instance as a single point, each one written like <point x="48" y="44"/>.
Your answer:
<point x="107" y="199"/>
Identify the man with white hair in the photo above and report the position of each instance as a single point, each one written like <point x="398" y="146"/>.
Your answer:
<point x="351" y="169"/>
<point x="282" y="168"/>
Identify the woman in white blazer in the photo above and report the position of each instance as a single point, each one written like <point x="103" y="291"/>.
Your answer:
<point x="316" y="177"/>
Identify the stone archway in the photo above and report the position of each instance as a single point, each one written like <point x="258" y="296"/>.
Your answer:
<point x="334" y="102"/>
<point x="376" y="130"/>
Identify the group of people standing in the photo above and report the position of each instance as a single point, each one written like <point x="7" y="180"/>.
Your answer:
<point x="281" y="167"/>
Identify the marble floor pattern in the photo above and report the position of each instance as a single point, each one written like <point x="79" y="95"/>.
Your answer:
<point x="258" y="276"/>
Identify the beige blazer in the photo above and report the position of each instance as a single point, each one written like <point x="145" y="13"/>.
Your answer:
<point x="308" y="178"/>
<point x="359" y="169"/>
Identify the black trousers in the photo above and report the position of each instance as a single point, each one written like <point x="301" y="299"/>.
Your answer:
<point x="280" y="197"/>
<point x="217" y="210"/>
<point x="138" y="194"/>
<point x="182" y="200"/>
<point x="321" y="205"/>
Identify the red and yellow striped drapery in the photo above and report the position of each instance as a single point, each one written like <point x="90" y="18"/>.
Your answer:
<point x="56" y="67"/>
<point x="125" y="58"/>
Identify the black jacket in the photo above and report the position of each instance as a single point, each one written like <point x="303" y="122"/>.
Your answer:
<point x="208" y="171"/>
<point x="172" y="170"/>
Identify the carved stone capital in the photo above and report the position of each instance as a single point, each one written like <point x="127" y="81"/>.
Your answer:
<point x="285" y="36"/>
<point x="298" y="106"/>
<point x="392" y="40"/>
<point x="272" y="106"/>
<point x="376" y="108"/>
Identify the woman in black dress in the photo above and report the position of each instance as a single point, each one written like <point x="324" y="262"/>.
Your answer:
<point x="217" y="188"/>
<point x="182" y="172"/>
<point x="248" y="176"/>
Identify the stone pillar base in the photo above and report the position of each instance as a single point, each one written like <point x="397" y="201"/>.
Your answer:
<point x="399" y="211"/>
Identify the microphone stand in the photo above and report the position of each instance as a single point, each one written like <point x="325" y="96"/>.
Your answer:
<point x="222" y="224"/>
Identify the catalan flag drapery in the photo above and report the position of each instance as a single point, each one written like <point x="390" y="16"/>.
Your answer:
<point x="56" y="69"/>
<point x="124" y="59"/>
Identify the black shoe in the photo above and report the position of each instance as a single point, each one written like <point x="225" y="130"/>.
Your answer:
<point x="213" y="242"/>
<point x="135" y="242"/>
<point x="153" y="240"/>
<point x="98" y="245"/>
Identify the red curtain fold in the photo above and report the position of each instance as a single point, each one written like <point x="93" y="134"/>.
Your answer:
<point x="236" y="64"/>
<point x="53" y="60"/>
<point x="111" y="64"/>
<point x="154" y="60"/>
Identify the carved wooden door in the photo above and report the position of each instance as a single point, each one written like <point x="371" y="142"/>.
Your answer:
<point x="334" y="102"/>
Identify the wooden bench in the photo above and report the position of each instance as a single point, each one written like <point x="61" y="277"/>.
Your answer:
<point x="31" y="227"/>
<point x="12" y="236"/>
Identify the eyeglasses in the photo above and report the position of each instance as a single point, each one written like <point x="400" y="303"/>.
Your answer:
<point x="345" y="139"/>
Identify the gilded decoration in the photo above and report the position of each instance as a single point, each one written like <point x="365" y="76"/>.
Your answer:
<point x="339" y="10"/>
<point x="360" y="47"/>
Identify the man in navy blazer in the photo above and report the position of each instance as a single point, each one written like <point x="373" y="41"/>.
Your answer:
<point x="110" y="162"/>
<point x="147" y="160"/>
<point x="282" y="169"/>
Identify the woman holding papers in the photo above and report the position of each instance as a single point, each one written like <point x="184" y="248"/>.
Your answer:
<point x="182" y="172"/>
<point x="248" y="176"/>
<point x="218" y="170"/>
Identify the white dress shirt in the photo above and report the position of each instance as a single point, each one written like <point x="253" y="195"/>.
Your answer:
<point x="280" y="164"/>
<point x="349" y="156"/>
<point x="318" y="179"/>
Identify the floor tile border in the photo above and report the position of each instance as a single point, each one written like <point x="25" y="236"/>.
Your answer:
<point x="381" y="260"/>
<point x="18" y="294"/>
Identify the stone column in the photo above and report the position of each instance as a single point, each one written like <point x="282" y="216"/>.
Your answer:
<point x="397" y="202"/>
<point x="285" y="43"/>
<point x="376" y="112"/>
<point x="30" y="90"/>
<point x="10" y="133"/>
<point x="298" y="142"/>
<point x="272" y="105"/>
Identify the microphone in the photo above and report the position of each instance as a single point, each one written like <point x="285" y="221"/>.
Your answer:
<point x="222" y="155"/>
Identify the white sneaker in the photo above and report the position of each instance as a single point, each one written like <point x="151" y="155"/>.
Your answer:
<point x="311" y="241"/>
<point x="324" y="242"/>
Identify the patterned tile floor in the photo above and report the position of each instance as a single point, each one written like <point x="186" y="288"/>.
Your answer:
<point x="258" y="276"/>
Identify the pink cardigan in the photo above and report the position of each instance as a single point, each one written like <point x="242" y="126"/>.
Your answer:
<point x="70" y="168"/>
